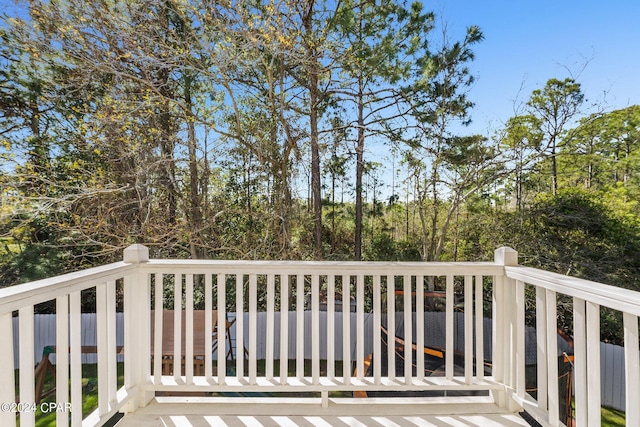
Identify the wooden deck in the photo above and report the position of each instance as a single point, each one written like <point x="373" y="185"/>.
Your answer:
<point x="287" y="412"/>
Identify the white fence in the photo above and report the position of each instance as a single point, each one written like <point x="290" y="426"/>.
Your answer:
<point x="45" y="335"/>
<point x="435" y="334"/>
<point x="612" y="376"/>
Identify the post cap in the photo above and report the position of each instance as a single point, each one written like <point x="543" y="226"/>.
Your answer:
<point x="136" y="254"/>
<point x="506" y="256"/>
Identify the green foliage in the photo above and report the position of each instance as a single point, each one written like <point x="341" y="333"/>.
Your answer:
<point x="384" y="248"/>
<point x="603" y="152"/>
<point x="554" y="107"/>
<point x="576" y="232"/>
<point x="205" y="130"/>
<point x="30" y="253"/>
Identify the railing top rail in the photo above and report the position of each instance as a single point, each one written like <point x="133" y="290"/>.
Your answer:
<point x="18" y="296"/>
<point x="609" y="296"/>
<point x="323" y="267"/>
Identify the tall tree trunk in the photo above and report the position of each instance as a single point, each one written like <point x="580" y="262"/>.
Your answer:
<point x="195" y="210"/>
<point x="425" y="229"/>
<point x="316" y="186"/>
<point x="554" y="168"/>
<point x="39" y="150"/>
<point x="436" y="210"/>
<point x="333" y="212"/>
<point x="445" y="229"/>
<point x="519" y="181"/>
<point x="167" y="146"/>
<point x="359" y="173"/>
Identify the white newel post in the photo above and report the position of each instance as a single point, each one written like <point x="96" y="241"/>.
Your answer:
<point x="137" y="329"/>
<point x="505" y="324"/>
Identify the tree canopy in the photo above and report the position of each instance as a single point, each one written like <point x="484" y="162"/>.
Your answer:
<point x="246" y="130"/>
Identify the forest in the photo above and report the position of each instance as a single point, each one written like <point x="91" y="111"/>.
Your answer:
<point x="254" y="129"/>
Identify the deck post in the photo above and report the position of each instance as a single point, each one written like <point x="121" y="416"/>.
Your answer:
<point x="137" y="329"/>
<point x="505" y="323"/>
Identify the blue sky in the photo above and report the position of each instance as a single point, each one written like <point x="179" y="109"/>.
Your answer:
<point x="528" y="42"/>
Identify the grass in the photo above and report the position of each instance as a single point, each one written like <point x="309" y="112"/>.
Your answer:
<point x="612" y="417"/>
<point x="89" y="394"/>
<point x="608" y="416"/>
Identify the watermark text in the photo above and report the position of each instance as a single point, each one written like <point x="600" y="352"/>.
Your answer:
<point x="44" y="407"/>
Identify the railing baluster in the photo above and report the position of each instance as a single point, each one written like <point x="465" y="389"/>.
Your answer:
<point x="552" y="359"/>
<point x="593" y="359"/>
<point x="541" y="339"/>
<point x="75" y="344"/>
<point x="221" y="284"/>
<point x="270" y="338"/>
<point x="449" y="349"/>
<point x="632" y="369"/>
<point x="360" y="326"/>
<point x="239" y="326"/>
<point x="300" y="326"/>
<point x="420" y="327"/>
<point x="7" y="386"/>
<point x="208" y="326"/>
<point x="26" y="334"/>
<point x="512" y="343"/>
<point x="177" y="326"/>
<point x="498" y="328"/>
<point x="331" y="326"/>
<point x="346" y="329"/>
<point x="284" y="328"/>
<point x="103" y="349"/>
<point x="112" y="344"/>
<point x="62" y="357"/>
<point x="479" y="328"/>
<point x="580" y="359"/>
<point x="391" y="325"/>
<point x="377" y="352"/>
<point x="468" y="329"/>
<point x="157" y="329"/>
<point x="408" y="329"/>
<point x="253" y="332"/>
<point x="315" y="327"/>
<point x="188" y="328"/>
<point x="520" y="332"/>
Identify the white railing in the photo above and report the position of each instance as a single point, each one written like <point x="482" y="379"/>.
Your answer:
<point x="299" y="285"/>
<point x="587" y="299"/>
<point x="66" y="294"/>
<point x="302" y="303"/>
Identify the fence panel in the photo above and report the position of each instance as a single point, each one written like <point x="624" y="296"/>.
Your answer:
<point x="613" y="376"/>
<point x="434" y="333"/>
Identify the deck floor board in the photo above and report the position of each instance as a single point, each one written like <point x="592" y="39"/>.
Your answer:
<point x="196" y="412"/>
